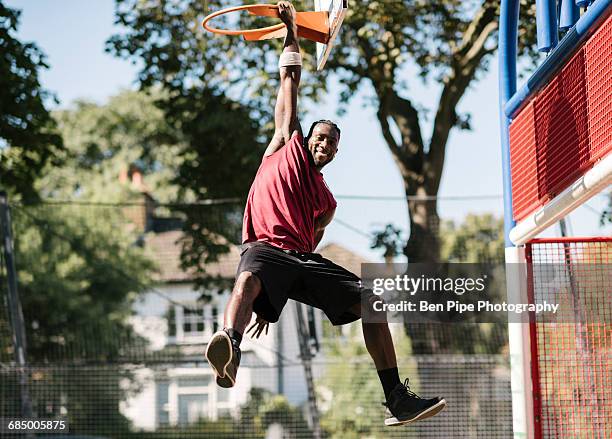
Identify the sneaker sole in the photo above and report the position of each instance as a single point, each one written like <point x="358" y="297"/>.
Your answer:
<point x="219" y="354"/>
<point x="431" y="411"/>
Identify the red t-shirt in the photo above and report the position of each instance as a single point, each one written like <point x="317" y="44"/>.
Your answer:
<point x="286" y="197"/>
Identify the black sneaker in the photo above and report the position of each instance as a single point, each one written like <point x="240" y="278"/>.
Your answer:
<point x="224" y="358"/>
<point x="405" y="406"/>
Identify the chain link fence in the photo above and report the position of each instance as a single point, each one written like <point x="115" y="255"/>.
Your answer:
<point x="118" y="302"/>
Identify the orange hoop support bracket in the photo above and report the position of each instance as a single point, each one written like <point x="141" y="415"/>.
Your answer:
<point x="312" y="25"/>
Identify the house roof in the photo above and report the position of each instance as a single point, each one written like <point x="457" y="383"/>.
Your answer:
<point x="165" y="249"/>
<point x="344" y="257"/>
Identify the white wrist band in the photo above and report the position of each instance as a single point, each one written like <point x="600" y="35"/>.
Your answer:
<point x="289" y="59"/>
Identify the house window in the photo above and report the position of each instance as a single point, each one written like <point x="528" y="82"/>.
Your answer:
<point x="192" y="322"/>
<point x="172" y="322"/>
<point x="215" y="319"/>
<point x="185" y="398"/>
<point x="223" y="395"/>
<point x="161" y="403"/>
<point x="191" y="408"/>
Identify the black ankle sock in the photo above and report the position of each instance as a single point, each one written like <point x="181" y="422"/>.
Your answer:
<point x="389" y="378"/>
<point x="235" y="336"/>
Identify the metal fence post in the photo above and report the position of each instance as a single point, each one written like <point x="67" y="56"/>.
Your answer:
<point x="306" y="357"/>
<point x="15" y="312"/>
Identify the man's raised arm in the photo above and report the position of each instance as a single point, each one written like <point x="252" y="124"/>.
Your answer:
<point x="290" y="66"/>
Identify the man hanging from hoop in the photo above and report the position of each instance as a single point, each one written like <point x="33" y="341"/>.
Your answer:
<point x="288" y="207"/>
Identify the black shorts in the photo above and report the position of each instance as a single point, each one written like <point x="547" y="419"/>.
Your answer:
<point x="304" y="277"/>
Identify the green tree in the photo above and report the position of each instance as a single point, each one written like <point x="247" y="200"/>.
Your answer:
<point x="449" y="45"/>
<point x="389" y="239"/>
<point x="349" y="393"/>
<point x="102" y="142"/>
<point x="263" y="409"/>
<point x="479" y="238"/>
<point x="606" y="214"/>
<point x="28" y="139"/>
<point x="79" y="272"/>
<point x="179" y="158"/>
<point x="219" y="111"/>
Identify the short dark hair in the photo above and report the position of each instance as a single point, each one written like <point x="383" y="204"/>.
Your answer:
<point x="323" y="121"/>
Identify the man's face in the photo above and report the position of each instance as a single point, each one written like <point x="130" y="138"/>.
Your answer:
<point x="323" y="144"/>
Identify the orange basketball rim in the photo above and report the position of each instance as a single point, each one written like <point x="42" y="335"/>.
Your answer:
<point x="313" y="25"/>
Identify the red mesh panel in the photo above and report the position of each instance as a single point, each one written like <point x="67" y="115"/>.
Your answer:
<point x="523" y="157"/>
<point x="599" y="66"/>
<point x="572" y="362"/>
<point x="566" y="128"/>
<point x="562" y="130"/>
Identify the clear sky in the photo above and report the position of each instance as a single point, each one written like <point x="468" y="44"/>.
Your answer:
<point x="72" y="34"/>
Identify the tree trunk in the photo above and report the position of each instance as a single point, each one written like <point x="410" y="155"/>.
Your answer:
<point x="420" y="164"/>
<point x="423" y="246"/>
<point x="424" y="242"/>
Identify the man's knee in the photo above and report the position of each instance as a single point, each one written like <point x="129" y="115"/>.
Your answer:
<point x="370" y="309"/>
<point x="373" y="309"/>
<point x="247" y="284"/>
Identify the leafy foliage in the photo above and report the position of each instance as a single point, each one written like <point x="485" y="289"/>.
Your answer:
<point x="28" y="139"/>
<point x="76" y="283"/>
<point x="448" y="45"/>
<point x="179" y="154"/>
<point x="79" y="273"/>
<point x="389" y="239"/>
<point x="178" y="55"/>
<point x="103" y="141"/>
<point x="606" y="214"/>
<point x="349" y="392"/>
<point x="380" y="39"/>
<point x="480" y="238"/>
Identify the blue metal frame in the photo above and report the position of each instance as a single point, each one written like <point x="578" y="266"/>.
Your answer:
<point x="558" y="57"/>
<point x="511" y="101"/>
<point x="569" y="15"/>
<point x="508" y="41"/>
<point x="546" y="24"/>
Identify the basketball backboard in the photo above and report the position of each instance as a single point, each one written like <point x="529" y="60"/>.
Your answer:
<point x="337" y="10"/>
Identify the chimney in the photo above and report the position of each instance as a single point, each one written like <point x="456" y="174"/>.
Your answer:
<point x="140" y="214"/>
<point x="135" y="176"/>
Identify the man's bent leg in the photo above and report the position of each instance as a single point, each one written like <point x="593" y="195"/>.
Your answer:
<point x="403" y="405"/>
<point x="350" y="301"/>
<point x="239" y="309"/>
<point x="379" y="344"/>
<point x="223" y="351"/>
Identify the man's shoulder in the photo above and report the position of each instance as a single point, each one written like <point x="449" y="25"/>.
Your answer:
<point x="296" y="141"/>
<point x="295" y="149"/>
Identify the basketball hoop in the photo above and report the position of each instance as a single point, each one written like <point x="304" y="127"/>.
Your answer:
<point x="312" y="25"/>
